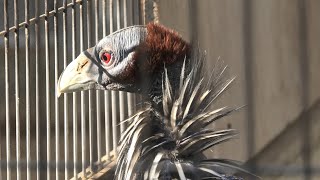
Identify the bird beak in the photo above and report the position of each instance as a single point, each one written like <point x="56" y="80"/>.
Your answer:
<point x="80" y="74"/>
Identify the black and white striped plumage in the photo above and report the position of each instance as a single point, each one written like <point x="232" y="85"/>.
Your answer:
<point x="168" y="143"/>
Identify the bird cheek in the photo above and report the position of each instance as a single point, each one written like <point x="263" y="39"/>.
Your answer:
<point x="103" y="82"/>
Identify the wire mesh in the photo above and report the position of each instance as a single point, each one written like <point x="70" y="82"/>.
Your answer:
<point x="47" y="137"/>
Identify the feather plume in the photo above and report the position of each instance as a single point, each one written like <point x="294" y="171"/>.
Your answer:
<point x="168" y="143"/>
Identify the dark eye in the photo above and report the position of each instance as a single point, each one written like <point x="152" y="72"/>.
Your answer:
<point x="106" y="57"/>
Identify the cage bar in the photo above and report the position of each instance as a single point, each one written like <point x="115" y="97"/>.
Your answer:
<point x="65" y="100"/>
<point x="106" y="93"/>
<point x="121" y="93"/>
<point x="125" y="24"/>
<point x="83" y="101"/>
<point x="17" y="92"/>
<point x="90" y="92"/>
<point x="36" y="28"/>
<point x="48" y="119"/>
<point x="27" y="41"/>
<point x="98" y="96"/>
<point x="6" y="71"/>
<point x="113" y="95"/>
<point x="74" y="95"/>
<point x="56" y="72"/>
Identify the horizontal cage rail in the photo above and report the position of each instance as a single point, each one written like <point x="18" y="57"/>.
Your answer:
<point x="33" y="20"/>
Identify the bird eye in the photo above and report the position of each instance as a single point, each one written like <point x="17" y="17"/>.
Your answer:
<point x="106" y="57"/>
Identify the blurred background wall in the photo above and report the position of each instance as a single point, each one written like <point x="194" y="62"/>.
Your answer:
<point x="273" y="47"/>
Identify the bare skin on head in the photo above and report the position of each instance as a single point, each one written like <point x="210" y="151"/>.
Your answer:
<point x="134" y="61"/>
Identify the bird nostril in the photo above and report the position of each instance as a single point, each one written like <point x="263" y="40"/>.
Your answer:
<point x="81" y="65"/>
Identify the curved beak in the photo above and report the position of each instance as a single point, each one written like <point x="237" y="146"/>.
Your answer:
<point x="80" y="74"/>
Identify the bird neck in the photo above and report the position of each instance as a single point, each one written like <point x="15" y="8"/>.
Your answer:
<point x="153" y="89"/>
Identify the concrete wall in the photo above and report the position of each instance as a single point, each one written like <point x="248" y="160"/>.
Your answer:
<point x="273" y="48"/>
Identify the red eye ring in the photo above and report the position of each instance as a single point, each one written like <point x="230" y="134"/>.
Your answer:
<point x="105" y="57"/>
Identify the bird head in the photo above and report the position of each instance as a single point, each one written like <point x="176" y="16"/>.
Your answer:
<point x="131" y="59"/>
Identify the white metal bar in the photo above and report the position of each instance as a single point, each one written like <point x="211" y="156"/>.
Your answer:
<point x="130" y="104"/>
<point x="66" y="102"/>
<point x="37" y="90"/>
<point x="125" y="17"/>
<point x="114" y="122"/>
<point x="6" y="71"/>
<point x="121" y="93"/>
<point x="46" y="23"/>
<point x="98" y="96"/>
<point x="138" y="20"/>
<point x="106" y="93"/>
<point x="118" y="15"/>
<point x="83" y="111"/>
<point x="75" y="100"/>
<point x="28" y="142"/>
<point x="129" y="95"/>
<point x="17" y="92"/>
<point x="90" y="104"/>
<point x="113" y="96"/>
<point x="125" y="24"/>
<point x="135" y="20"/>
<point x="56" y="72"/>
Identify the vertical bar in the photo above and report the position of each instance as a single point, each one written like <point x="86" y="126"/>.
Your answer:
<point x="142" y="13"/>
<point x="130" y="104"/>
<point x="306" y="127"/>
<point x="125" y="24"/>
<point x="248" y="57"/>
<point x="106" y="93"/>
<point x="37" y="89"/>
<point x="6" y="71"/>
<point x="135" y="17"/>
<point x="74" y="102"/>
<point x="121" y="93"/>
<point x="83" y="111"/>
<point x="125" y="17"/>
<point x="27" y="89"/>
<point x="90" y="91"/>
<point x="138" y="19"/>
<point x="17" y="93"/>
<point x="114" y="122"/>
<point x="113" y="96"/>
<point x="65" y="102"/>
<point x="98" y="96"/>
<point x="47" y="89"/>
<point x="118" y="15"/>
<point x="56" y="72"/>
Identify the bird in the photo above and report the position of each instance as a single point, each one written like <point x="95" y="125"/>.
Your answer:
<point x="166" y="139"/>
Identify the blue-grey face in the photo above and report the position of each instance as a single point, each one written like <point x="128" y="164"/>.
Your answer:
<point x="107" y="65"/>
